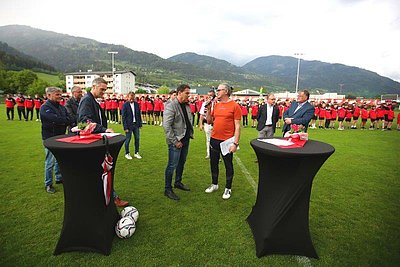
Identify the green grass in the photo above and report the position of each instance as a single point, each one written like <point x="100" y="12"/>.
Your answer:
<point x="52" y="79"/>
<point x="354" y="210"/>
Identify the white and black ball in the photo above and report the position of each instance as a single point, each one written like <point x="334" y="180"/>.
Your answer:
<point x="125" y="227"/>
<point x="130" y="211"/>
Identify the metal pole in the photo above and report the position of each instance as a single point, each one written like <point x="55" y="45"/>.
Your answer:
<point x="112" y="66"/>
<point x="298" y="70"/>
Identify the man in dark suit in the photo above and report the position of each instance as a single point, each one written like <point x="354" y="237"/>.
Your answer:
<point x="89" y="111"/>
<point x="131" y="121"/>
<point x="300" y="112"/>
<point x="267" y="118"/>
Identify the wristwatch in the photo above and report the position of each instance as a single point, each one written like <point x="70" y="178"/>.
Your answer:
<point x="236" y="144"/>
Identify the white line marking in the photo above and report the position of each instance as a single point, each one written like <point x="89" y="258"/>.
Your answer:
<point x="304" y="261"/>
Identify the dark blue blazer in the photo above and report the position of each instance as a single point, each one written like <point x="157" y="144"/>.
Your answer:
<point x="127" y="116"/>
<point x="89" y="110"/>
<point x="302" y="116"/>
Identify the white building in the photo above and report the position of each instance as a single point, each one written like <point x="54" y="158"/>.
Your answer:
<point x="124" y="80"/>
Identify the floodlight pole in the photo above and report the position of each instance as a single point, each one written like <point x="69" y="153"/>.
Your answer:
<point x="112" y="65"/>
<point x="298" y="70"/>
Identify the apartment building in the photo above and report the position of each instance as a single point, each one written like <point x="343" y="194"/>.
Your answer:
<point x="123" y="82"/>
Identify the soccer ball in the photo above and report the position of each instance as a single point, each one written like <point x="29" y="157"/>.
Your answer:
<point x="125" y="227"/>
<point x="130" y="212"/>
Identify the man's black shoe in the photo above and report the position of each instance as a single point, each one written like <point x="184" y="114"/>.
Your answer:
<point x="170" y="194"/>
<point x="181" y="186"/>
<point x="59" y="182"/>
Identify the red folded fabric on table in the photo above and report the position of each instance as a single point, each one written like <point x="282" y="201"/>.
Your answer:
<point x="296" y="142"/>
<point x="83" y="139"/>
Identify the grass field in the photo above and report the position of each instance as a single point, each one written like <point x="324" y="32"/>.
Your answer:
<point x="354" y="209"/>
<point x="52" y="79"/>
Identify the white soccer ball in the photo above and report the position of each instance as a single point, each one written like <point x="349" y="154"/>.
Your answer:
<point x="125" y="227"/>
<point x="130" y="212"/>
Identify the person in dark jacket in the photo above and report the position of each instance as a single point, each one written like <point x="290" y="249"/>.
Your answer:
<point x="132" y="122"/>
<point x="54" y="120"/>
<point x="267" y="117"/>
<point x="72" y="106"/>
<point x="89" y="111"/>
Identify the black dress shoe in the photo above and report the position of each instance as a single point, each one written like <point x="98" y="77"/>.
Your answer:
<point x="170" y="194"/>
<point x="181" y="186"/>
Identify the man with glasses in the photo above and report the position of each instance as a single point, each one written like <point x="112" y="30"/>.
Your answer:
<point x="300" y="112"/>
<point x="89" y="111"/>
<point x="267" y="118"/>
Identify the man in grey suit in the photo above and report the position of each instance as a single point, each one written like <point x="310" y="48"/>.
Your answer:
<point x="178" y="128"/>
<point x="300" y="112"/>
<point x="267" y="118"/>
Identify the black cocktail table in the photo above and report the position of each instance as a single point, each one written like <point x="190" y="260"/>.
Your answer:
<point x="88" y="222"/>
<point x="279" y="218"/>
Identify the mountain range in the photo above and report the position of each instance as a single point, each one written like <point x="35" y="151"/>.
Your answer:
<point x="67" y="53"/>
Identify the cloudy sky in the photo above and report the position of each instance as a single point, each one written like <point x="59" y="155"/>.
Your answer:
<point x="362" y="33"/>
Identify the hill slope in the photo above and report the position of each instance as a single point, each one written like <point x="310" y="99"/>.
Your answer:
<point x="12" y="59"/>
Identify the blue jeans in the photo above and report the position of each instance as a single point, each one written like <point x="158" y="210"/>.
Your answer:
<point x="50" y="163"/>
<point x="136" y="133"/>
<point x="176" y="161"/>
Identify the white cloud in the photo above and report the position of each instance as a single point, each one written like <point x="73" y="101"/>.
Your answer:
<point x="362" y="33"/>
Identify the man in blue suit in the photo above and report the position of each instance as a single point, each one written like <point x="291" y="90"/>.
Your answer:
<point x="131" y="121"/>
<point x="300" y="112"/>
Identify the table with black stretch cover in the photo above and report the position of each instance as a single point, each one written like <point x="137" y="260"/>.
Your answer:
<point x="279" y="218"/>
<point x="88" y="222"/>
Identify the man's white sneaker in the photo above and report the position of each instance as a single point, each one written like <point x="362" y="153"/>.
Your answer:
<point x="128" y="156"/>
<point x="227" y="193"/>
<point x="212" y="188"/>
<point x="137" y="156"/>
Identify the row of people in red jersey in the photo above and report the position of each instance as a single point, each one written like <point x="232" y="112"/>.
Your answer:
<point x="25" y="106"/>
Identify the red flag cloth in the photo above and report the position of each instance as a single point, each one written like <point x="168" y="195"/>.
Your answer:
<point x="106" y="177"/>
<point x="81" y="139"/>
<point x="296" y="142"/>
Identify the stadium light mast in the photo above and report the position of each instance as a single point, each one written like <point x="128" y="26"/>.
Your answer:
<point x="298" y="69"/>
<point x="341" y="87"/>
<point x="112" y="66"/>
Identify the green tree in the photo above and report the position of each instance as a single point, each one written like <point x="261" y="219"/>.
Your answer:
<point x="141" y="91"/>
<point x="163" y="89"/>
<point x="20" y="81"/>
<point x="37" y="87"/>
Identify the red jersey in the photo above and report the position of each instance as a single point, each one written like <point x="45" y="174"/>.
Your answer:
<point x="380" y="113"/>
<point x="328" y="114"/>
<point x="364" y="114"/>
<point x="372" y="114"/>
<point x="199" y="103"/>
<point x="114" y="103"/>
<point x="10" y="102"/>
<point x="157" y="105"/>
<point x="254" y="110"/>
<point x="341" y="112"/>
<point x="20" y="101"/>
<point x="162" y="105"/>
<point x="108" y="104"/>
<point x="356" y="112"/>
<point x="322" y="112"/>
<point x="37" y="102"/>
<point x="316" y="111"/>
<point x="62" y="102"/>
<point x="390" y="114"/>
<point x="142" y="104"/>
<point x="349" y="114"/>
<point x="120" y="103"/>
<point x="245" y="112"/>
<point x="192" y="107"/>
<point x="333" y="114"/>
<point x="102" y="104"/>
<point x="29" y="103"/>
<point x="149" y="106"/>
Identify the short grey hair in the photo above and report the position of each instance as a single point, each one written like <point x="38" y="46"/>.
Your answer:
<point x="98" y="81"/>
<point x="269" y="95"/>
<point x="75" y="88"/>
<point x="228" y="88"/>
<point x="51" y="90"/>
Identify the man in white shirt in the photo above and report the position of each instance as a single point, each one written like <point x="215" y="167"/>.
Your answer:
<point x="203" y="122"/>
<point x="267" y="117"/>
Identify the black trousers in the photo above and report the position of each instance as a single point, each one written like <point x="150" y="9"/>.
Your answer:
<point x="10" y="110"/>
<point x="37" y="113"/>
<point x="21" y="111"/>
<point x="29" y="111"/>
<point x="215" y="153"/>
